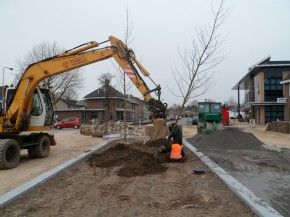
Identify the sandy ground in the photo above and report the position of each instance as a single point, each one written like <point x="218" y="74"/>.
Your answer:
<point x="273" y="139"/>
<point x="69" y="144"/>
<point x="73" y="195"/>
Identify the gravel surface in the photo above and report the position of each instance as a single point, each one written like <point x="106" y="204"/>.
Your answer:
<point x="265" y="172"/>
<point x="227" y="139"/>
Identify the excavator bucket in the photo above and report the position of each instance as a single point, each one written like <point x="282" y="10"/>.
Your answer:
<point x="159" y="129"/>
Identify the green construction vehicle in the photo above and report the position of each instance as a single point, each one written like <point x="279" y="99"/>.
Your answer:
<point x="209" y="117"/>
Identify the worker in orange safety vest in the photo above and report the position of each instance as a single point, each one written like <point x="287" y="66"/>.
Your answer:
<point x="176" y="152"/>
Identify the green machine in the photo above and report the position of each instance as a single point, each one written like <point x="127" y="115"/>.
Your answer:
<point x="209" y="117"/>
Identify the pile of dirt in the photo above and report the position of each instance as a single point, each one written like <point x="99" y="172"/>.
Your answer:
<point x="132" y="161"/>
<point x="226" y="139"/>
<point x="157" y="143"/>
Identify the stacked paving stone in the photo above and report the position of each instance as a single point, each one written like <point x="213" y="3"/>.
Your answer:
<point x="279" y="126"/>
<point x="283" y="127"/>
<point x="104" y="129"/>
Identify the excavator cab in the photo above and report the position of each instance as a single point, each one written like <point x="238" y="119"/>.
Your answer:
<point x="41" y="113"/>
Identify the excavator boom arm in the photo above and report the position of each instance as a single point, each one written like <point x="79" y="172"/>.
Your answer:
<point x="75" y="58"/>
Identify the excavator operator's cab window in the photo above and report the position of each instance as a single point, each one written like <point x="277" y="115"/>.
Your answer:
<point x="36" y="106"/>
<point x="48" y="107"/>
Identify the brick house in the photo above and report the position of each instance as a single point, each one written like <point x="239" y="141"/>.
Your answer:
<point x="267" y="93"/>
<point x="111" y="102"/>
<point x="102" y="105"/>
<point x="65" y="108"/>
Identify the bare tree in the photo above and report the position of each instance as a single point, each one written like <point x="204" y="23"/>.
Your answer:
<point x="105" y="78"/>
<point x="174" y="109"/>
<point x="231" y="103"/>
<point x="123" y="82"/>
<point x="65" y="85"/>
<point x="194" y="103"/>
<point x="198" y="61"/>
<point x="110" y="100"/>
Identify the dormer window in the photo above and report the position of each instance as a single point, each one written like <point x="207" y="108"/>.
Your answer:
<point x="101" y="91"/>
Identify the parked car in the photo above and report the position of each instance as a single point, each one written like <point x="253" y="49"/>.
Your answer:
<point x="194" y="120"/>
<point x="170" y="118"/>
<point x="68" y="123"/>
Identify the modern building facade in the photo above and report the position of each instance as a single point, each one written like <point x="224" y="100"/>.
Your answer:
<point x="266" y="91"/>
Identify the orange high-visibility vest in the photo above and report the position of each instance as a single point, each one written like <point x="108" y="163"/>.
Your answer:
<point x="175" y="153"/>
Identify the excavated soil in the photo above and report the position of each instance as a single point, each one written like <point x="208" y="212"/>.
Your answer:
<point x="133" y="162"/>
<point x="265" y="172"/>
<point x="128" y="181"/>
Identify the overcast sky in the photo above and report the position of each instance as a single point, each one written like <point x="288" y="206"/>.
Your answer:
<point x="254" y="29"/>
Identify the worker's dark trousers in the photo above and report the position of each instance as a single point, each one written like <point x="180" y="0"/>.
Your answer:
<point x="182" y="153"/>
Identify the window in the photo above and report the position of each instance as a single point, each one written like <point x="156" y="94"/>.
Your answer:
<point x="48" y="107"/>
<point x="94" y="115"/>
<point x="247" y="97"/>
<point x="101" y="91"/>
<point x="36" y="106"/>
<point x="203" y="107"/>
<point x="122" y="104"/>
<point x="267" y="87"/>
<point x="215" y="108"/>
<point x="256" y="89"/>
<point x="105" y="103"/>
<point x="272" y="113"/>
<point x="273" y="88"/>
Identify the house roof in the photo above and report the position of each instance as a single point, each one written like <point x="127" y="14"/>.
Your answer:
<point x="100" y="93"/>
<point x="138" y="100"/>
<point x="71" y="103"/>
<point x="133" y="101"/>
<point x="264" y="63"/>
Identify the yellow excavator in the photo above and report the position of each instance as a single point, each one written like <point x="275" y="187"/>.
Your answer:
<point x="27" y="107"/>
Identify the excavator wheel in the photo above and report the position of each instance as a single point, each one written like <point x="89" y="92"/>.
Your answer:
<point x="9" y="154"/>
<point x="31" y="152"/>
<point x="42" y="149"/>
